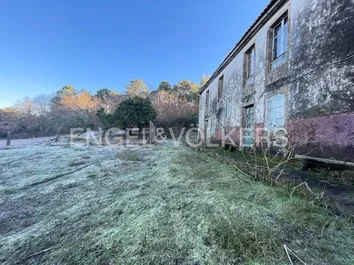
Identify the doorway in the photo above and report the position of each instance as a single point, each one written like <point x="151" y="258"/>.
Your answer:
<point x="249" y="121"/>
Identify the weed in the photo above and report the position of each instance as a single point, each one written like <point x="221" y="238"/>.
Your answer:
<point x="189" y="208"/>
<point x="7" y="191"/>
<point x="66" y="186"/>
<point x="76" y="163"/>
<point x="248" y="237"/>
<point x="129" y="156"/>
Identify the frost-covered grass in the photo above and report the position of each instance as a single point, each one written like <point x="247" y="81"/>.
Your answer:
<point x="161" y="205"/>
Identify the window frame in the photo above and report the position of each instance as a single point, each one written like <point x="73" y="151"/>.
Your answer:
<point x="283" y="25"/>
<point x="220" y="87"/>
<point x="250" y="57"/>
<point x="271" y="107"/>
<point x="207" y="99"/>
<point x="248" y="133"/>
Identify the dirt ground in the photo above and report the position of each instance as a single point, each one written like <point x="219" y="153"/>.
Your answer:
<point x="84" y="204"/>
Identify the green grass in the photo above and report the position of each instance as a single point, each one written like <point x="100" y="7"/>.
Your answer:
<point x="176" y="206"/>
<point x="258" y="219"/>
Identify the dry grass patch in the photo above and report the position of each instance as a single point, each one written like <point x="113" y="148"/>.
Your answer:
<point x="130" y="155"/>
<point x="162" y="205"/>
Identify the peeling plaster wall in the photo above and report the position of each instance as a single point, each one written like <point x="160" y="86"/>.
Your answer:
<point x="329" y="136"/>
<point x="321" y="94"/>
<point x="318" y="78"/>
<point x="234" y="90"/>
<point x="322" y="82"/>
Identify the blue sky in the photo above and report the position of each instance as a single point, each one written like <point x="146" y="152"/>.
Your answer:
<point x="46" y="44"/>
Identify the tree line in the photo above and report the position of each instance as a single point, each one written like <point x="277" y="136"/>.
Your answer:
<point x="168" y="105"/>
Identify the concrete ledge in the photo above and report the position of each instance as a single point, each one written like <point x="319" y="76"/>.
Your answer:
<point x="326" y="162"/>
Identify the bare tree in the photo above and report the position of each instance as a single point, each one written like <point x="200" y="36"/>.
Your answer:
<point x="42" y="106"/>
<point x="25" y="106"/>
<point x="171" y="107"/>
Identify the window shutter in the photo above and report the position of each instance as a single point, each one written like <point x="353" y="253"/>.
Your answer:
<point x="275" y="118"/>
<point x="269" y="122"/>
<point x="279" y="109"/>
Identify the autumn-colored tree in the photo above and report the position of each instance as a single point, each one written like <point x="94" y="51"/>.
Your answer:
<point x="205" y="78"/>
<point x="171" y="107"/>
<point x="82" y="107"/>
<point x="137" y="88"/>
<point x="65" y="91"/>
<point x="82" y="101"/>
<point x="188" y="90"/>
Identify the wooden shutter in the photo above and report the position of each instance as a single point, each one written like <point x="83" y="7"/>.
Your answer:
<point x="275" y="119"/>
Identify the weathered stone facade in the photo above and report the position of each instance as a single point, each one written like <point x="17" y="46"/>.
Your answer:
<point x="309" y="89"/>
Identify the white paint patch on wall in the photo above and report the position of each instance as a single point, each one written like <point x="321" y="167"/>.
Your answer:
<point x="234" y="90"/>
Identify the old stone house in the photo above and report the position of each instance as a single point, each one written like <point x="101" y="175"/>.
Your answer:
<point x="292" y="71"/>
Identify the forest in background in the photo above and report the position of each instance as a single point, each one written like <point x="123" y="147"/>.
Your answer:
<point x="46" y="115"/>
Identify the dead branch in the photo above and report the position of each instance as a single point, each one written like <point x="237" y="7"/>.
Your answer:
<point x="302" y="184"/>
<point x="288" y="251"/>
<point x="39" y="252"/>
<point x="239" y="170"/>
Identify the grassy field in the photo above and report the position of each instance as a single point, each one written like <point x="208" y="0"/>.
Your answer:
<point x="161" y="205"/>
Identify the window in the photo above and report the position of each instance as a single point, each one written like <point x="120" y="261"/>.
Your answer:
<point x="250" y="62"/>
<point x="276" y="113"/>
<point x="220" y="87"/>
<point x="280" y="42"/>
<point x="248" y="137"/>
<point x="206" y="128"/>
<point x="207" y="103"/>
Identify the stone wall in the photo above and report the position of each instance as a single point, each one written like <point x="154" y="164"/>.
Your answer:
<point x="317" y="79"/>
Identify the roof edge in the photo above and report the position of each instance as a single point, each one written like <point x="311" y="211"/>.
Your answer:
<point x="272" y="7"/>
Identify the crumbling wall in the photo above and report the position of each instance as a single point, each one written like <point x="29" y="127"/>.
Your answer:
<point x="322" y="74"/>
<point x="317" y="79"/>
<point x="236" y="92"/>
<point x="321" y="94"/>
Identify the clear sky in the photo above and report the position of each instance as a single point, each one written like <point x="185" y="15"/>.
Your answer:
<point x="46" y="44"/>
